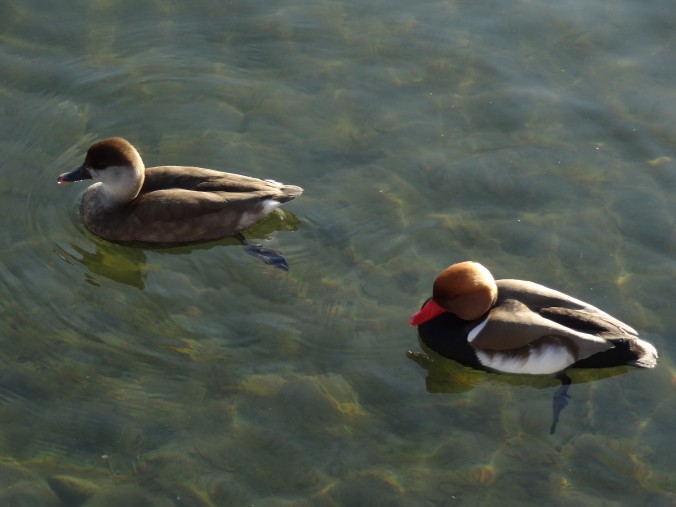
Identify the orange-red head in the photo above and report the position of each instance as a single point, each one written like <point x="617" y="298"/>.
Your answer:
<point x="466" y="289"/>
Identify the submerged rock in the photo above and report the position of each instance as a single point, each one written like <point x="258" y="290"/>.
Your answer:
<point x="11" y="473"/>
<point x="127" y="496"/>
<point x="376" y="488"/>
<point x="29" y="494"/>
<point x="71" y="490"/>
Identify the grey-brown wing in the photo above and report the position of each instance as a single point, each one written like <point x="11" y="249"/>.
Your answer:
<point x="598" y="323"/>
<point x="548" y="301"/>
<point x="512" y="325"/>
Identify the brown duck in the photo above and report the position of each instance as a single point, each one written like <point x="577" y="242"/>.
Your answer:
<point x="129" y="202"/>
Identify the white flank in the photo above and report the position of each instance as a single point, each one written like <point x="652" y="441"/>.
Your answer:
<point x="540" y="360"/>
<point x="248" y="219"/>
<point x="269" y="205"/>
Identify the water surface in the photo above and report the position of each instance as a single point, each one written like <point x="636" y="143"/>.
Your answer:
<point x="536" y="138"/>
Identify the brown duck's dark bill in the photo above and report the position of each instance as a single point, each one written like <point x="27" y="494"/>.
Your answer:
<point x="78" y="174"/>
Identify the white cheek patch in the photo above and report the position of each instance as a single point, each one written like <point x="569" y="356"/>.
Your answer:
<point x="117" y="183"/>
<point x="539" y="361"/>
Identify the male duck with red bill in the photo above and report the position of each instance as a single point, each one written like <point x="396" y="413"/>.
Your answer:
<point x="521" y="327"/>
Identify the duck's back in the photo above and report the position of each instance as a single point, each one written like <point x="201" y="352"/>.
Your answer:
<point x="563" y="309"/>
<point x="199" y="179"/>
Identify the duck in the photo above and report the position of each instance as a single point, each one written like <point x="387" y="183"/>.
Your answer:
<point x="131" y="203"/>
<point x="521" y="327"/>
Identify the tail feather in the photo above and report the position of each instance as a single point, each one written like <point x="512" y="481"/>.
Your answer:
<point x="633" y="351"/>
<point x="288" y="193"/>
<point x="646" y="354"/>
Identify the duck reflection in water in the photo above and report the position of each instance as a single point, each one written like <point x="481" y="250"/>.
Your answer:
<point x="123" y="264"/>
<point x="446" y="376"/>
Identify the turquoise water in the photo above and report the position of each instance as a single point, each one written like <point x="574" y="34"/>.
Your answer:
<point x="535" y="137"/>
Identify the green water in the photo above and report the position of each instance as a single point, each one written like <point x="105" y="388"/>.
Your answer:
<point x="535" y="137"/>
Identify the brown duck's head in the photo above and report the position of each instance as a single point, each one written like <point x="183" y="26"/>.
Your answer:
<point x="117" y="168"/>
<point x="112" y="152"/>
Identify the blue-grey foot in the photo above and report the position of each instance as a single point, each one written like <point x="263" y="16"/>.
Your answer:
<point x="268" y="256"/>
<point x="560" y="400"/>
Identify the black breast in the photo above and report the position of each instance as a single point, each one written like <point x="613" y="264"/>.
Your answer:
<point x="447" y="335"/>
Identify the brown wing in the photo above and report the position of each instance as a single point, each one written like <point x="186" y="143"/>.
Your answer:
<point x="208" y="180"/>
<point x="177" y="205"/>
